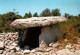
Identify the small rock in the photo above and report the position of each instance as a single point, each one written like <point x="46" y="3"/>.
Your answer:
<point x="55" y="45"/>
<point x="4" y="52"/>
<point x="49" y="49"/>
<point x="32" y="51"/>
<point x="72" y="50"/>
<point x="77" y="52"/>
<point x="12" y="51"/>
<point x="17" y="48"/>
<point x="40" y="50"/>
<point x="26" y="51"/>
<point x="14" y="44"/>
<point x="18" y="53"/>
<point x="32" y="54"/>
<point x="43" y="45"/>
<point x="7" y="50"/>
<point x="26" y="47"/>
<point x="1" y="51"/>
<point x="68" y="46"/>
<point x="46" y="53"/>
<point x="39" y="53"/>
<point x="10" y="42"/>
<point x="1" y="45"/>
<point x="6" y="42"/>
<point x="12" y="47"/>
<point x="64" y="52"/>
<point x="50" y="44"/>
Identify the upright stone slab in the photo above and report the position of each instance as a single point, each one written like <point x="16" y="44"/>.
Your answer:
<point x="50" y="34"/>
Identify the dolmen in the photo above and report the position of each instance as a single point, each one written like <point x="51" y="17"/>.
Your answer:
<point x="32" y="31"/>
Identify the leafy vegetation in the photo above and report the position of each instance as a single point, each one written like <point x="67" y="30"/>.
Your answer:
<point x="6" y="19"/>
<point x="28" y="15"/>
<point x="35" y="14"/>
<point x="46" y="12"/>
<point x="71" y="29"/>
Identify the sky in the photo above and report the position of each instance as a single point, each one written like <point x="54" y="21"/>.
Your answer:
<point x="24" y="6"/>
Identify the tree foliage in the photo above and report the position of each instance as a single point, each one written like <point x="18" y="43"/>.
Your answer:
<point x="79" y="15"/>
<point x="35" y="14"/>
<point x="45" y="12"/>
<point x="26" y="15"/>
<point x="6" y="19"/>
<point x="29" y="15"/>
<point x="55" y="12"/>
<point x="66" y="15"/>
<point x="10" y="16"/>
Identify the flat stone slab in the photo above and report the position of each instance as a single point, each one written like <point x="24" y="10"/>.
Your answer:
<point x="37" y="21"/>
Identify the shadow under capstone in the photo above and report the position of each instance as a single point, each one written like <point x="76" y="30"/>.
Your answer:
<point x="31" y="37"/>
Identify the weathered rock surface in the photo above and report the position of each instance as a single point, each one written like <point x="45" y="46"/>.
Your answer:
<point x="64" y="52"/>
<point x="26" y="51"/>
<point x="1" y="45"/>
<point x="50" y="34"/>
<point x="37" y="21"/>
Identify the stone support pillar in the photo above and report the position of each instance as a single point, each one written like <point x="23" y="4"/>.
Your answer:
<point x="50" y="34"/>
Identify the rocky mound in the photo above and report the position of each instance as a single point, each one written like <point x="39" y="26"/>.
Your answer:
<point x="9" y="46"/>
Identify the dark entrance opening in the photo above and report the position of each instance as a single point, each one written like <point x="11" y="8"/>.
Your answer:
<point x="32" y="37"/>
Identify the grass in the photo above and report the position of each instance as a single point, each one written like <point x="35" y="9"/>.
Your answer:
<point x="71" y="31"/>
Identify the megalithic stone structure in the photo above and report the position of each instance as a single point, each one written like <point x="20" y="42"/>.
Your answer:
<point x="37" y="29"/>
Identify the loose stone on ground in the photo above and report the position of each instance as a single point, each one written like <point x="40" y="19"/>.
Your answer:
<point x="9" y="46"/>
